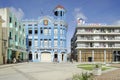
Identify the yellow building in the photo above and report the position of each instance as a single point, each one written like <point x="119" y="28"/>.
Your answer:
<point x="1" y="50"/>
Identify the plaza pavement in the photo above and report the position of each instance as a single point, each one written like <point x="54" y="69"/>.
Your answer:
<point x="38" y="71"/>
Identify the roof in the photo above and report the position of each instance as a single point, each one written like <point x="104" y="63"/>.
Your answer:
<point x="59" y="6"/>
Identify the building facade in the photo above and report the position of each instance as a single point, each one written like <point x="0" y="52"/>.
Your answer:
<point x="14" y="34"/>
<point x="96" y="43"/>
<point x="1" y="40"/>
<point x="46" y="37"/>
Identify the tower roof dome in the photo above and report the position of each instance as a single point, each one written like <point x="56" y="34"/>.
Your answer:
<point x="59" y="6"/>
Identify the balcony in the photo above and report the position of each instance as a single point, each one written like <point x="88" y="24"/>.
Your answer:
<point x="99" y="40"/>
<point x="97" y="33"/>
<point x="113" y="47"/>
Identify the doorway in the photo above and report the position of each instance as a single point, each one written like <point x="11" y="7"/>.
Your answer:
<point x="116" y="56"/>
<point x="62" y="57"/>
<point x="89" y="59"/>
<point x="30" y="56"/>
<point x="55" y="57"/>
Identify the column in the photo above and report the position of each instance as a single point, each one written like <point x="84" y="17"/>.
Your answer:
<point x="52" y="53"/>
<point x="92" y="55"/>
<point x="105" y="56"/>
<point x="80" y="55"/>
<point x="65" y="57"/>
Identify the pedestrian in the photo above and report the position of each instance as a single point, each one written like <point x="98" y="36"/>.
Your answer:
<point x="72" y="60"/>
<point x="14" y="60"/>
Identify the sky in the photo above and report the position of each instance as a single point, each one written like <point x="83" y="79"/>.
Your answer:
<point x="93" y="11"/>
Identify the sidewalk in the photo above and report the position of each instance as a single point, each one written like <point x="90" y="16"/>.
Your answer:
<point x="10" y="65"/>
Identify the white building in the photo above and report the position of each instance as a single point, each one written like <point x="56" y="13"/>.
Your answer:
<point x="96" y="43"/>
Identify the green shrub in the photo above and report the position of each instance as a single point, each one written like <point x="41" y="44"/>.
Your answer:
<point x="83" y="76"/>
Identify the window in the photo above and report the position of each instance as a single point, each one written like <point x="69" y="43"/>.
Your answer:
<point x="23" y="41"/>
<point x="45" y="43"/>
<point x="55" y="32"/>
<point x="36" y="43"/>
<point x="35" y="25"/>
<point x="49" y="43"/>
<point x="29" y="24"/>
<point x="61" y="32"/>
<point x="10" y="20"/>
<point x="49" y="31"/>
<point x="41" y="43"/>
<point x="60" y="13"/>
<point x="55" y="43"/>
<point x="15" y="24"/>
<point x="30" y="31"/>
<point x="19" y="40"/>
<point x="56" y="13"/>
<point x="41" y="31"/>
<point x="19" y="27"/>
<point x="23" y="30"/>
<point x="10" y="35"/>
<point x="30" y="43"/>
<point x="23" y="24"/>
<point x="55" y="24"/>
<point x="36" y="31"/>
<point x="15" y="38"/>
<point x="45" y="31"/>
<point x="61" y="43"/>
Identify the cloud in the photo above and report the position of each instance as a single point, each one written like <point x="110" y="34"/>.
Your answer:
<point x="79" y="14"/>
<point x="17" y="12"/>
<point x="117" y="22"/>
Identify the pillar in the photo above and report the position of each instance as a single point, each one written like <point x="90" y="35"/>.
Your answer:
<point x="65" y="57"/>
<point x="80" y="55"/>
<point x="92" y="55"/>
<point x="9" y="56"/>
<point x="105" y="56"/>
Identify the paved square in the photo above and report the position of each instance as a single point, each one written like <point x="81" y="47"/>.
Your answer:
<point x="38" y="71"/>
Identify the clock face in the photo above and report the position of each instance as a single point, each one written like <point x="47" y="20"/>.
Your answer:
<point x="45" y="22"/>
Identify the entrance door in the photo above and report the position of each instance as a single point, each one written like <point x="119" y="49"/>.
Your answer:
<point x="45" y="57"/>
<point x="116" y="56"/>
<point x="30" y="55"/>
<point x="55" y="57"/>
<point x="89" y="59"/>
<point x="62" y="57"/>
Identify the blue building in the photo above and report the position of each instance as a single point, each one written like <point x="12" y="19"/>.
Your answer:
<point x="46" y="37"/>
